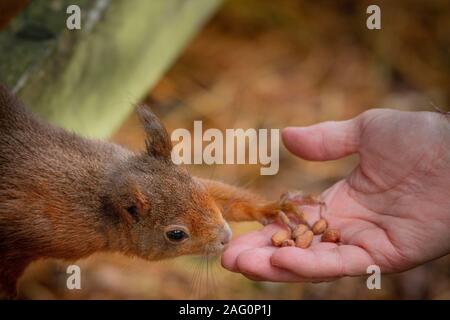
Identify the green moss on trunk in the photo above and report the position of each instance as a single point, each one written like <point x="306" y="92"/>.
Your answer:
<point x="88" y="80"/>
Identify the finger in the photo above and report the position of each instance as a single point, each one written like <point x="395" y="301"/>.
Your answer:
<point x="256" y="264"/>
<point x="253" y="277"/>
<point x="293" y="279"/>
<point x="323" y="261"/>
<point x="324" y="141"/>
<point x="256" y="239"/>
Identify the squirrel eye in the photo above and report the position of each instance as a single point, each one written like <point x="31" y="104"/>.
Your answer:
<point x="176" y="235"/>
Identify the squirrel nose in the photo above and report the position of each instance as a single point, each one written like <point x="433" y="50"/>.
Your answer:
<point x="225" y="234"/>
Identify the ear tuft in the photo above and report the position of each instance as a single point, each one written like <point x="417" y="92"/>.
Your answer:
<point x="157" y="142"/>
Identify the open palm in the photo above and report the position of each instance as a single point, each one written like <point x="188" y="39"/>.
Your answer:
<point x="393" y="210"/>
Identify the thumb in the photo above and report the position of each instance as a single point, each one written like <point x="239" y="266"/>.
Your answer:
<point x="324" y="141"/>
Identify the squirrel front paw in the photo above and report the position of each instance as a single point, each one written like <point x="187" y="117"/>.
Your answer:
<point x="288" y="209"/>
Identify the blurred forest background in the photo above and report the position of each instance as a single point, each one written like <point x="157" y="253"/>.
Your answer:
<point x="271" y="64"/>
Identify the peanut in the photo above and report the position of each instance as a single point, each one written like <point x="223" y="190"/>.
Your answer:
<point x="279" y="236"/>
<point x="288" y="243"/>
<point x="331" y="235"/>
<point x="299" y="230"/>
<point x="319" y="227"/>
<point x="304" y="241"/>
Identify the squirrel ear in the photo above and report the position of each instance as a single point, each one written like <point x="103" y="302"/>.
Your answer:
<point x="137" y="208"/>
<point x="157" y="142"/>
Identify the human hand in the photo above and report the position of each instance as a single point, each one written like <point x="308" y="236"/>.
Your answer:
<point x="393" y="210"/>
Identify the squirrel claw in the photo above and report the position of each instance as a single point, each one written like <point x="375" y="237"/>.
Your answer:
<point x="291" y="201"/>
<point x="287" y="210"/>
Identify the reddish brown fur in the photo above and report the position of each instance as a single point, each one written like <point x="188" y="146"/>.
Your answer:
<point x="63" y="196"/>
<point x="238" y="204"/>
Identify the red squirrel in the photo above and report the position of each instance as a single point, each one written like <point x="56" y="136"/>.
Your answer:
<point x="64" y="196"/>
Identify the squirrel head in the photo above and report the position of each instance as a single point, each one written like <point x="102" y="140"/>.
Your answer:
<point x="158" y="210"/>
